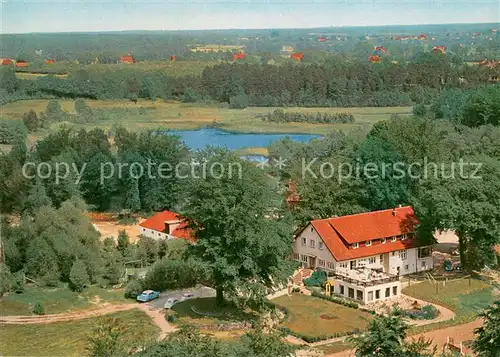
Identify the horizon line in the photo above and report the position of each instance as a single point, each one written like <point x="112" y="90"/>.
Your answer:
<point x="247" y="29"/>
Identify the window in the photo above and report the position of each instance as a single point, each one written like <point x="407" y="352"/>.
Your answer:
<point x="355" y="245"/>
<point x="394" y="290"/>
<point x="393" y="239"/>
<point x="159" y="234"/>
<point x="296" y="256"/>
<point x="424" y="252"/>
<point x="343" y="265"/>
<point x="312" y="243"/>
<point x="353" y="264"/>
<point x="359" y="295"/>
<point x="403" y="254"/>
<point x="321" y="262"/>
<point x="330" y="265"/>
<point x="304" y="258"/>
<point x="406" y="267"/>
<point x="312" y="229"/>
<point x="424" y="264"/>
<point x="144" y="229"/>
<point x="370" y="296"/>
<point x="383" y="240"/>
<point x="320" y="245"/>
<point x="371" y="260"/>
<point x="304" y="241"/>
<point x="387" y="292"/>
<point x="368" y="243"/>
<point x="403" y="237"/>
<point x="350" y="293"/>
<point x="393" y="253"/>
<point x="381" y="258"/>
<point x="377" y="294"/>
<point x="342" y="291"/>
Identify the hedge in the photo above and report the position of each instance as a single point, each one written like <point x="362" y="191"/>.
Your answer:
<point x="335" y="300"/>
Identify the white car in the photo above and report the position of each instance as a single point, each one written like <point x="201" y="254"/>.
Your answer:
<point x="170" y="302"/>
<point x="187" y="296"/>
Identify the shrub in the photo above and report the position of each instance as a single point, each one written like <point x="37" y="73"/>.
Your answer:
<point x="316" y="279"/>
<point x="174" y="274"/>
<point x="38" y="309"/>
<point x="171" y="318"/>
<point x="427" y="312"/>
<point x="335" y="300"/>
<point x="12" y="131"/>
<point x="78" y="276"/>
<point x="133" y="288"/>
<point x="279" y="115"/>
<point x="190" y="96"/>
<point x="419" y="110"/>
<point x="51" y="279"/>
<point x="238" y="102"/>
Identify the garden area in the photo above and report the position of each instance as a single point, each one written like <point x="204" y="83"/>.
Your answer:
<point x="57" y="300"/>
<point x="466" y="297"/>
<point x="69" y="338"/>
<point x="314" y="319"/>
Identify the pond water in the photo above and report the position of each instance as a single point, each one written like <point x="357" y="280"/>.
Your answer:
<point x="198" y="139"/>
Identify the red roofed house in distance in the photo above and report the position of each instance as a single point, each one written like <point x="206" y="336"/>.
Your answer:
<point x="365" y="253"/>
<point x="166" y="225"/>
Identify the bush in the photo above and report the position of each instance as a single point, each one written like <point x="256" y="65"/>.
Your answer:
<point x="427" y="312"/>
<point x="171" y="318"/>
<point x="78" y="276"/>
<point x="317" y="278"/>
<point x="280" y="116"/>
<point x="238" y="102"/>
<point x="51" y="279"/>
<point x="38" y="309"/>
<point x="174" y="274"/>
<point x="12" y="131"/>
<point x="190" y="96"/>
<point x="335" y="300"/>
<point x="133" y="288"/>
<point x="419" y="110"/>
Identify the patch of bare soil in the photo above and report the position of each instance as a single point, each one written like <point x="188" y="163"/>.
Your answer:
<point x="112" y="228"/>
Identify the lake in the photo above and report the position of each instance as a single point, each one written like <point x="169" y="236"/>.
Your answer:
<point x="198" y="139"/>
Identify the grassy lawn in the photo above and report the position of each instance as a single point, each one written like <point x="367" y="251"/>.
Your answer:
<point x="305" y="311"/>
<point x="57" y="300"/>
<point x="175" y="115"/>
<point x="68" y="338"/>
<point x="206" y="312"/>
<point x="466" y="298"/>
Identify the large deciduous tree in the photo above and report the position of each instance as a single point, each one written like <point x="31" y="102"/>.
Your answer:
<point x="240" y="235"/>
<point x="487" y="343"/>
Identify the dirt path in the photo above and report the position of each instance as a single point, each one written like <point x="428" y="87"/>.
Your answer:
<point x="460" y="333"/>
<point x="157" y="315"/>
<point x="67" y="316"/>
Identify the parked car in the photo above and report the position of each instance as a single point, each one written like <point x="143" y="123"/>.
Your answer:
<point x="170" y="302"/>
<point x="187" y="296"/>
<point x="148" y="295"/>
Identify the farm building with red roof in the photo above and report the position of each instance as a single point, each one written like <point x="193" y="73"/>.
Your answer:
<point x="166" y="225"/>
<point x="22" y="64"/>
<point x="6" y="61"/>
<point x="128" y="59"/>
<point x="297" y="56"/>
<point x="439" y="49"/>
<point x="364" y="250"/>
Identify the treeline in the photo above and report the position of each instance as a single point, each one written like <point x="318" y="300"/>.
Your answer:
<point x="89" y="157"/>
<point x="280" y="116"/>
<point x="339" y="82"/>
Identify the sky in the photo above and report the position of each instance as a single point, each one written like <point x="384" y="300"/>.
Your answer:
<point x="112" y="15"/>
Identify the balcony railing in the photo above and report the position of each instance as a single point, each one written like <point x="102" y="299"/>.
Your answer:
<point x="359" y="282"/>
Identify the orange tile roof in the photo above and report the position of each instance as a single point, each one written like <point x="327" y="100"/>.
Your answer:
<point x="157" y="223"/>
<point x="339" y="233"/>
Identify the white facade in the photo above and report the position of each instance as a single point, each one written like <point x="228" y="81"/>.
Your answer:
<point x="312" y="252"/>
<point x="169" y="227"/>
<point x="367" y="294"/>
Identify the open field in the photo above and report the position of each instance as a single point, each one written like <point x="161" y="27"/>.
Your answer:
<point x="175" y="115"/>
<point x="178" y="68"/>
<point x="69" y="338"/>
<point x="57" y="300"/>
<point x="29" y="75"/>
<point x="305" y="316"/>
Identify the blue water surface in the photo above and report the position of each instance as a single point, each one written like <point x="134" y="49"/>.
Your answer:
<point x="198" y="139"/>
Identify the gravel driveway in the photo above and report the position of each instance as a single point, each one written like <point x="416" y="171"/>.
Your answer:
<point x="199" y="292"/>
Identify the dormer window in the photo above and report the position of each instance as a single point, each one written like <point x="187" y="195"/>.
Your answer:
<point x="403" y="237"/>
<point x="368" y="243"/>
<point x="383" y="240"/>
<point x="355" y="245"/>
<point x="393" y="239"/>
